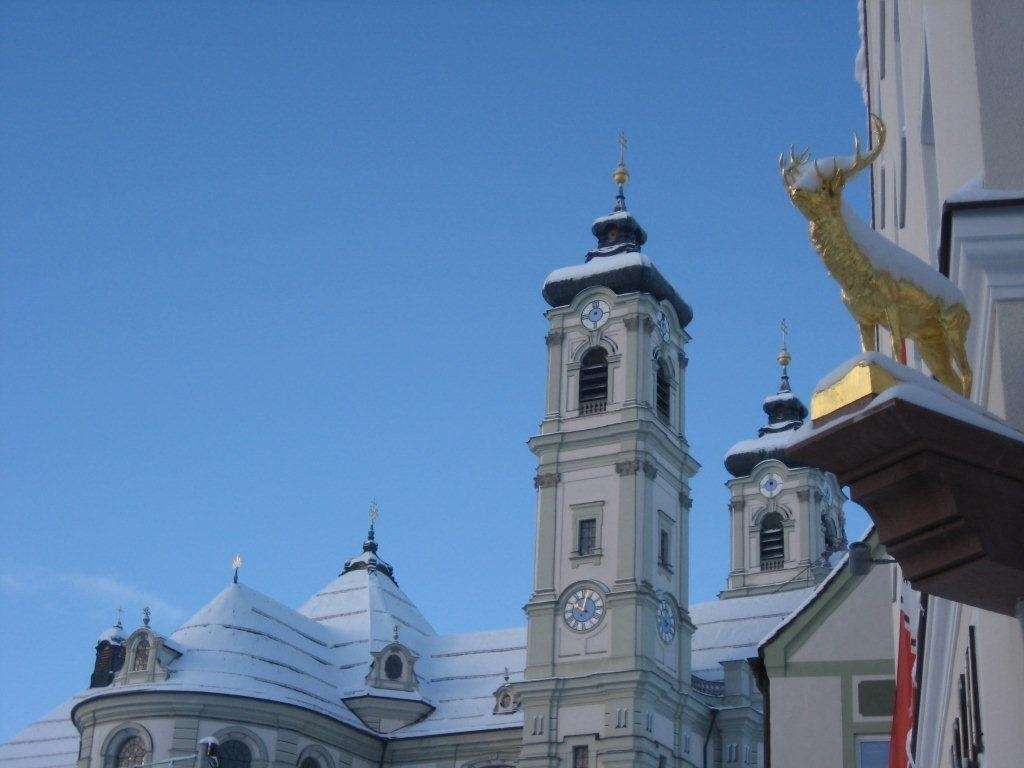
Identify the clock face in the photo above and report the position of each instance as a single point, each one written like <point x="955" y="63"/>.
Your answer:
<point x="666" y="621"/>
<point x="583" y="610"/>
<point x="595" y="314"/>
<point x="771" y="485"/>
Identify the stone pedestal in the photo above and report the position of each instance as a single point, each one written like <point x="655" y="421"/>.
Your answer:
<point x="946" y="496"/>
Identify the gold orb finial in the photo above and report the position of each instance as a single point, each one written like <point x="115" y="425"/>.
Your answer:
<point x="620" y="175"/>
<point x="784" y="357"/>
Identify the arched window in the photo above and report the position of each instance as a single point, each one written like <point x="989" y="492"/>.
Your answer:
<point x="131" y="753"/>
<point x="594" y="381"/>
<point x="773" y="549"/>
<point x="141" y="655"/>
<point x="393" y="667"/>
<point x="310" y="762"/>
<point x="663" y="392"/>
<point x="234" y="754"/>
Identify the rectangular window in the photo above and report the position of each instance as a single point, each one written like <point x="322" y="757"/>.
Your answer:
<point x="581" y="757"/>
<point x="587" y="536"/>
<point x="881" y="39"/>
<point x="881" y="199"/>
<point x="903" y="182"/>
<point x="873" y="753"/>
<point x="665" y="548"/>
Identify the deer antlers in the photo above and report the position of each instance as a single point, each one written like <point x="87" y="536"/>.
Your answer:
<point x="790" y="168"/>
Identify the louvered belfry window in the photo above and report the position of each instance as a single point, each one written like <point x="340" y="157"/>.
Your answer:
<point x="773" y="550"/>
<point x="588" y="536"/>
<point x="594" y="381"/>
<point x="663" y="393"/>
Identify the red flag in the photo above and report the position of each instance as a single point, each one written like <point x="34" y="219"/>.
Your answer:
<point x="906" y="684"/>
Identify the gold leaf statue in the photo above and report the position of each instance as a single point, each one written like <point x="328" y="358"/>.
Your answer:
<point x="882" y="284"/>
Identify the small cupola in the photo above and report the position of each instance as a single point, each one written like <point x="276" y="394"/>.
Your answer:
<point x="109" y="655"/>
<point x="618" y="232"/>
<point x="786" y="414"/>
<point x="617" y="263"/>
<point x="368" y="559"/>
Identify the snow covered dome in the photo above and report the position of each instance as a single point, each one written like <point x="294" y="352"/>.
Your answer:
<point x="615" y="263"/>
<point x="114" y="635"/>
<point x="786" y="414"/>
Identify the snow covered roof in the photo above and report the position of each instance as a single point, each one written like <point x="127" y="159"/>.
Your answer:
<point x="731" y="629"/>
<point x="50" y="742"/>
<point x="622" y="272"/>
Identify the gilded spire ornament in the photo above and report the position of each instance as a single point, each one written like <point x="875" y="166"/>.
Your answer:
<point x="236" y="563"/>
<point x="882" y="284"/>
<point x="621" y="175"/>
<point x="784" y="357"/>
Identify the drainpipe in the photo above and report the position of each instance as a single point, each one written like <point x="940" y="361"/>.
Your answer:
<point x="707" y="736"/>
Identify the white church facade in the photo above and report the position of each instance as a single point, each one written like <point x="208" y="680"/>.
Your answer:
<point x="613" y="667"/>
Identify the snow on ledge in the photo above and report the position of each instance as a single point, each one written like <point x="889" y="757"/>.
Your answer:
<point x="599" y="265"/>
<point x="916" y="388"/>
<point x="975" y="191"/>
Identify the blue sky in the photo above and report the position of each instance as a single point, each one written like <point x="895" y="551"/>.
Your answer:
<point x="263" y="263"/>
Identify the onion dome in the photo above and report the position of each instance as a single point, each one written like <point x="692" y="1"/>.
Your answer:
<point x="786" y="414"/>
<point x="617" y="262"/>
<point x="114" y="635"/>
<point x="368" y="560"/>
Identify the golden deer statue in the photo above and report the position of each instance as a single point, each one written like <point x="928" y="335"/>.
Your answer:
<point x="882" y="284"/>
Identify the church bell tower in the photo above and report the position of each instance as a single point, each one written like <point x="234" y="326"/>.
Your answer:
<point x="608" y="646"/>
<point x="786" y="519"/>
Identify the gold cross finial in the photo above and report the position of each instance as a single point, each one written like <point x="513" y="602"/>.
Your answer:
<point x="620" y="175"/>
<point x="784" y="356"/>
<point x="236" y="563"/>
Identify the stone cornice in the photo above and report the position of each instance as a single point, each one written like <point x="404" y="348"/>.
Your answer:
<point x="133" y="705"/>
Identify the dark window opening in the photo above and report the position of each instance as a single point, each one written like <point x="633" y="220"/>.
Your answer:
<point x="663" y="393"/>
<point x="580" y="757"/>
<point x="588" y="536"/>
<point x="393" y="667"/>
<point x="773" y="551"/>
<point x="594" y="381"/>
<point x="664" y="548"/>
<point x="234" y="754"/>
<point x="131" y="753"/>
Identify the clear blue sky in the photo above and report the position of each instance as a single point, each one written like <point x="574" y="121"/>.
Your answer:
<point x="263" y="263"/>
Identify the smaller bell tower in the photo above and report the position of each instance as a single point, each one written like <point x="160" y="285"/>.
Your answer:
<point x="786" y="519"/>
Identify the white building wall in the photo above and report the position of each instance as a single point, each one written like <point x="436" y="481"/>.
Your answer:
<point x="948" y="76"/>
<point x="813" y="705"/>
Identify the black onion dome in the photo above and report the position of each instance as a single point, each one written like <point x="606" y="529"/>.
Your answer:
<point x="786" y="414"/>
<point x="368" y="559"/>
<point x="617" y="264"/>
